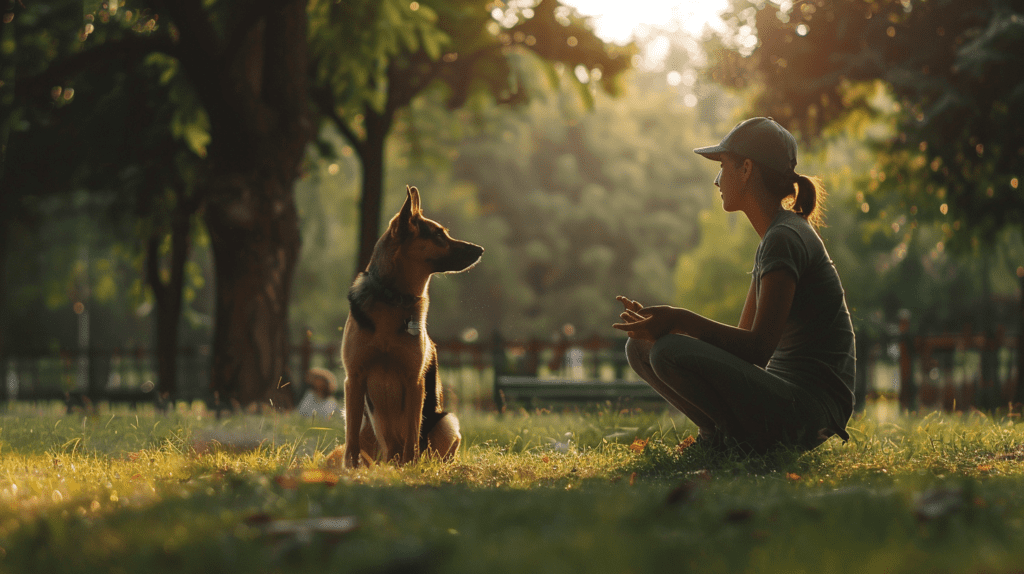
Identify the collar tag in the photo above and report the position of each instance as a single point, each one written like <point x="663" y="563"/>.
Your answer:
<point x="412" y="327"/>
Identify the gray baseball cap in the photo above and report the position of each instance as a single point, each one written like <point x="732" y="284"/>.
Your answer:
<point x="760" y="139"/>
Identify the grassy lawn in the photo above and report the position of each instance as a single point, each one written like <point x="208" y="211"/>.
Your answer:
<point x="600" y="491"/>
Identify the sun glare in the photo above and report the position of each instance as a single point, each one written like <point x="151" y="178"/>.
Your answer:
<point x="617" y="21"/>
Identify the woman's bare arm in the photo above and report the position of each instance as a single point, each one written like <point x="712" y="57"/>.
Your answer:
<point x="770" y="309"/>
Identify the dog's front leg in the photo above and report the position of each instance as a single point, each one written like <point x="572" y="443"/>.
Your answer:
<point x="355" y="403"/>
<point x="413" y="421"/>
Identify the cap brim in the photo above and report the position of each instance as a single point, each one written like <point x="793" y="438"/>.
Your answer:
<point x="712" y="152"/>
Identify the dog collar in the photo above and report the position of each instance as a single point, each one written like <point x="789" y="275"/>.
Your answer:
<point x="389" y="295"/>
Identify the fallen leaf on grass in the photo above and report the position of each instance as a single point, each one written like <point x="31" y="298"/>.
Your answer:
<point x="638" y="445"/>
<point x="687" y="442"/>
<point x="289" y="482"/>
<point x="318" y="476"/>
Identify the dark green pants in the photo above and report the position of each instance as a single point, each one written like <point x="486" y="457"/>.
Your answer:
<point x="722" y="393"/>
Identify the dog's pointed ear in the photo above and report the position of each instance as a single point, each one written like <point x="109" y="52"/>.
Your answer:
<point x="414" y="198"/>
<point x="405" y="223"/>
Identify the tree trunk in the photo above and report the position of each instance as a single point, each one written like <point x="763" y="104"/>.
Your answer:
<point x="372" y="156"/>
<point x="253" y="84"/>
<point x="254" y="233"/>
<point x="1018" y="393"/>
<point x="988" y="390"/>
<point x="168" y="295"/>
<point x="6" y="118"/>
<point x="5" y="210"/>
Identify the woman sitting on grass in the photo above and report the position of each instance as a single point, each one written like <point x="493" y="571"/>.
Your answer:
<point x="785" y="375"/>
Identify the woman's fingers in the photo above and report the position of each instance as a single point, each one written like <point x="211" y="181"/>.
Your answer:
<point x="629" y="303"/>
<point x="631" y="316"/>
<point x="632" y="322"/>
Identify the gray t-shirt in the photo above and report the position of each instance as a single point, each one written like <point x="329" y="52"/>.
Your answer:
<point x="817" y="349"/>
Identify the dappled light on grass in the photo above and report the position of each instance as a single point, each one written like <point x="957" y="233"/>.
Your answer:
<point x="604" y="489"/>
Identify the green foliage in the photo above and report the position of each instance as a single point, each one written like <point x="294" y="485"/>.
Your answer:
<point x="575" y="208"/>
<point x="327" y="200"/>
<point x="891" y="261"/>
<point x="953" y="70"/>
<point x="572" y="204"/>
<point x="353" y="44"/>
<point x="491" y="52"/>
<point x="714" y="278"/>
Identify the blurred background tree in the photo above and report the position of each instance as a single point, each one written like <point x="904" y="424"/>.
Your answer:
<point x="474" y="48"/>
<point x="576" y="196"/>
<point x="104" y="158"/>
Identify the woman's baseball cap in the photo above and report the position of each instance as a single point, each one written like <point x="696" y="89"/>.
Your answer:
<point x="760" y="139"/>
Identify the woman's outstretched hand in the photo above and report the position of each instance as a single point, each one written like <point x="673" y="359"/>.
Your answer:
<point x="646" y="323"/>
<point x="629" y="304"/>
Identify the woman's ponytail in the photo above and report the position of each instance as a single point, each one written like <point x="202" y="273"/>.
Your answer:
<point x="804" y="195"/>
<point x="810" y="200"/>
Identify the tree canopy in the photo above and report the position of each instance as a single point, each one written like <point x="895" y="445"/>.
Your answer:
<point x="949" y="74"/>
<point x="474" y="48"/>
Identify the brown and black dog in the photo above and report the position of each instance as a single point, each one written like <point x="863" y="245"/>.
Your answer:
<point x="393" y="402"/>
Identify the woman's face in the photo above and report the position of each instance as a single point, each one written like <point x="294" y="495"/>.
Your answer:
<point x="730" y="182"/>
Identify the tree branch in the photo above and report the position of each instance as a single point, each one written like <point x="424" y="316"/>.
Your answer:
<point x="199" y="50"/>
<point x="322" y="98"/>
<point x="285" y="78"/>
<point x="199" y="39"/>
<point x="242" y="23"/>
<point x="153" y="267"/>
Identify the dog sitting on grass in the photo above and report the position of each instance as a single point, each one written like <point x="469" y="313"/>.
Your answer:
<point x="393" y="403"/>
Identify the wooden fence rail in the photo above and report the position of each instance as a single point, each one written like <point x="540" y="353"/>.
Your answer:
<point x="951" y="371"/>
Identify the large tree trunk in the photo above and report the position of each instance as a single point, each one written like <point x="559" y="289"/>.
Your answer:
<point x="255" y="244"/>
<point x="254" y="86"/>
<point x="5" y="210"/>
<point x="253" y="83"/>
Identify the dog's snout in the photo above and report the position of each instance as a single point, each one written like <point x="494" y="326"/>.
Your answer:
<point x="461" y="256"/>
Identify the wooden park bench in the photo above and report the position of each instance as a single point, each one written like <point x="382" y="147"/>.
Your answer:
<point x="542" y="392"/>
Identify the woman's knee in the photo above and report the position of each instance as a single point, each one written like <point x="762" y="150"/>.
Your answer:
<point x="673" y="351"/>
<point x="638" y="352"/>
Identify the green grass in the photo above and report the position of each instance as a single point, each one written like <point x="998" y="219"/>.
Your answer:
<point x="545" y="492"/>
